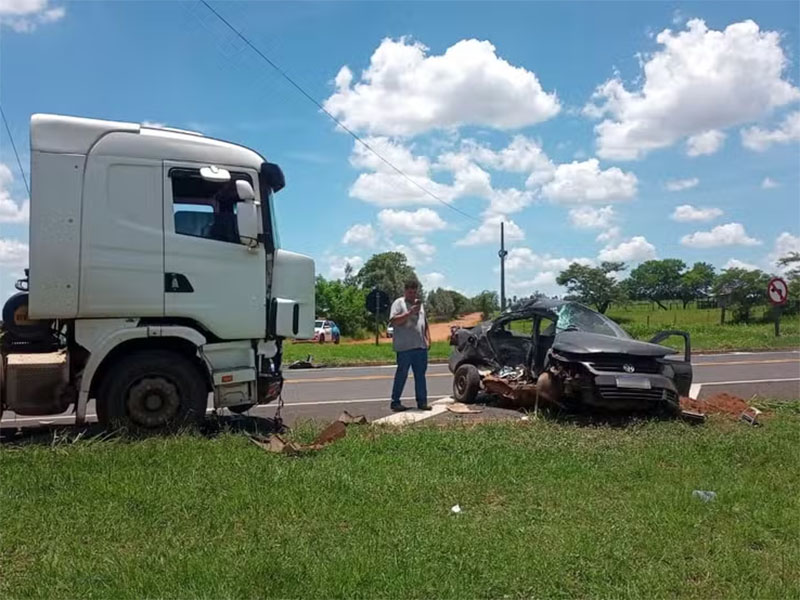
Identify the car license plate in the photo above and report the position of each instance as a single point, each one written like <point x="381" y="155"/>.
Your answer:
<point x="636" y="383"/>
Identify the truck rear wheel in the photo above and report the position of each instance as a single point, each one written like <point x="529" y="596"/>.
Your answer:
<point x="152" y="390"/>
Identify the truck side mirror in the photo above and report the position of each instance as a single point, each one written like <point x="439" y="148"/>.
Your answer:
<point x="247" y="221"/>
<point x="272" y="175"/>
<point x="245" y="191"/>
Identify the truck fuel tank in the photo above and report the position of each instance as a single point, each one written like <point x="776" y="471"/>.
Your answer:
<point x="36" y="384"/>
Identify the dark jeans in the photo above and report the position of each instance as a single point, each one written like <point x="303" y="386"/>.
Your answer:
<point x="417" y="359"/>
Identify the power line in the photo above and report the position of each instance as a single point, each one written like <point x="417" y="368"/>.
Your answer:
<point x="316" y="103"/>
<point x="14" y="146"/>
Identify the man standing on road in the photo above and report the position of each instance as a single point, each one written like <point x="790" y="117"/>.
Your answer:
<point x="411" y="342"/>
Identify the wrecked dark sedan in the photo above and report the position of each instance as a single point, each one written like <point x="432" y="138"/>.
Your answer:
<point x="562" y="353"/>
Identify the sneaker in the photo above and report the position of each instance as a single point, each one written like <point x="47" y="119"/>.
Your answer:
<point x="397" y="407"/>
<point x="424" y="407"/>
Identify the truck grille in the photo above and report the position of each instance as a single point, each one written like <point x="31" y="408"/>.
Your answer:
<point x="615" y="394"/>
<point x="649" y="367"/>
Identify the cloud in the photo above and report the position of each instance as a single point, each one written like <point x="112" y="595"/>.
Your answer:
<point x="686" y="213"/>
<point x="730" y="234"/>
<point x="678" y="185"/>
<point x="735" y="263"/>
<point x="784" y="244"/>
<point x="588" y="217"/>
<point x="705" y="143"/>
<point x="11" y="211"/>
<point x="609" y="235"/>
<point x="508" y="201"/>
<point x="360" y="235"/>
<point x="417" y="251"/>
<point x="488" y="232"/>
<point x="431" y="281"/>
<point x="13" y="253"/>
<point x="585" y="182"/>
<point x="698" y="81"/>
<point x="522" y="155"/>
<point x="635" y="249"/>
<point x="405" y="91"/>
<point x="545" y="279"/>
<point x="769" y="184"/>
<point x="385" y="187"/>
<point x="407" y="222"/>
<point x="24" y="16"/>
<point x="524" y="259"/>
<point x="759" y="139"/>
<point x="337" y="264"/>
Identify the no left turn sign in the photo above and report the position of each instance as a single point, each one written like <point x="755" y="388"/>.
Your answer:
<point x="777" y="291"/>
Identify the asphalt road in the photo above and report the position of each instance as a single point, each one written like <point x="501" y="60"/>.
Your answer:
<point x="322" y="394"/>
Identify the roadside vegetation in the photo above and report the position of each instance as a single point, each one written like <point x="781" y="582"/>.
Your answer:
<point x="548" y="509"/>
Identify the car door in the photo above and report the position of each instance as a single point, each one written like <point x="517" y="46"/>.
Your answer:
<point x="210" y="277"/>
<point x="681" y="367"/>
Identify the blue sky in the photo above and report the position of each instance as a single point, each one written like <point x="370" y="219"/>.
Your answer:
<point x="494" y="108"/>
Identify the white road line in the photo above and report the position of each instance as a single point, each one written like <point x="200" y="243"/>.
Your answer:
<point x="354" y="401"/>
<point x="751" y="381"/>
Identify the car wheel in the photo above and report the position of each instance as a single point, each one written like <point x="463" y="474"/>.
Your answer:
<point x="154" y="390"/>
<point x="322" y="339"/>
<point x="336" y="340"/>
<point x="466" y="383"/>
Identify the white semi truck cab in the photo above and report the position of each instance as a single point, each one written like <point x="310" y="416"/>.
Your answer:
<point x="155" y="277"/>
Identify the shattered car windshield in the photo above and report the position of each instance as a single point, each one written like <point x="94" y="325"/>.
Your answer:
<point x="574" y="317"/>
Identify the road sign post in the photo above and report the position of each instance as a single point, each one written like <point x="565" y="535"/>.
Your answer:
<point x="377" y="303"/>
<point x="778" y="294"/>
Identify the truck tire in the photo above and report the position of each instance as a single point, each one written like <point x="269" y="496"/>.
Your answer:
<point x="466" y="384"/>
<point x="321" y="338"/>
<point x="152" y="391"/>
<point x="17" y="324"/>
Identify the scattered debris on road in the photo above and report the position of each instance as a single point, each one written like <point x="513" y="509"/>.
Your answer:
<point x="705" y="496"/>
<point x="338" y="429"/>
<point x="460" y="408"/>
<point x="750" y="416"/>
<point x="308" y="363"/>
<point x="721" y="404"/>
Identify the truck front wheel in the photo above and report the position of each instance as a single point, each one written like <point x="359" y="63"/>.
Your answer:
<point x="152" y="390"/>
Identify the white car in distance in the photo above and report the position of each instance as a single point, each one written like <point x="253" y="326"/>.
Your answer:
<point x="325" y="331"/>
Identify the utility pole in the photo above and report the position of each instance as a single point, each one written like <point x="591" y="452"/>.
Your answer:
<point x="502" y="254"/>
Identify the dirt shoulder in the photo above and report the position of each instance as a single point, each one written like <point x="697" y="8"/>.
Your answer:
<point x="440" y="332"/>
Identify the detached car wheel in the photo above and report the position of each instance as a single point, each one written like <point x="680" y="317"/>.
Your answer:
<point x="466" y="383"/>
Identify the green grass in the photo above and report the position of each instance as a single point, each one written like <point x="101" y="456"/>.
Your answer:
<point x="642" y="322"/>
<point x="346" y="354"/>
<point x="549" y="510"/>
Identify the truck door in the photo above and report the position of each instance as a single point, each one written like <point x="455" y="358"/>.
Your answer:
<point x="210" y="276"/>
<point x="122" y="250"/>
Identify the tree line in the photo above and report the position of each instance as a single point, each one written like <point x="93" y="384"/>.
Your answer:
<point x="734" y="290"/>
<point x="659" y="281"/>
<point x="344" y="300"/>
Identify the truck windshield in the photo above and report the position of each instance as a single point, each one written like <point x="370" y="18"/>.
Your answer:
<point x="575" y="317"/>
